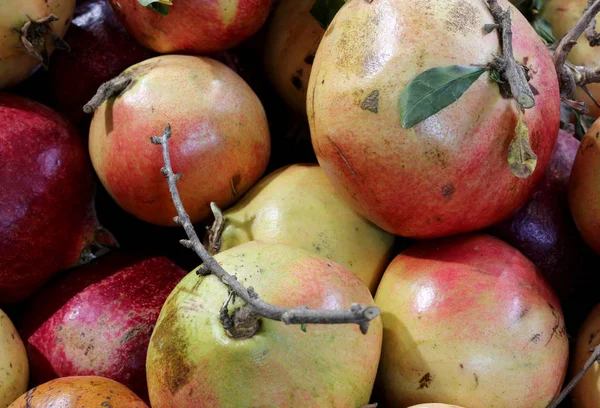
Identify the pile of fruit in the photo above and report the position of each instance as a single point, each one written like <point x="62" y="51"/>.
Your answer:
<point x="397" y="203"/>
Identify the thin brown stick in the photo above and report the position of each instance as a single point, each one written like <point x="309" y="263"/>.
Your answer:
<point x="594" y="357"/>
<point x="107" y="90"/>
<point x="568" y="76"/>
<point x="358" y="314"/>
<point x="513" y="71"/>
<point x="592" y="36"/>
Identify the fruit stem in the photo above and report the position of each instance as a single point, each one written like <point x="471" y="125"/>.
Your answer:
<point x="594" y="357"/>
<point x="34" y="34"/>
<point x="506" y="64"/>
<point x="358" y="314"/>
<point x="107" y="90"/>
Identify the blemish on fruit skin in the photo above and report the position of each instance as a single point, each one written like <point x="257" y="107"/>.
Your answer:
<point x="447" y="191"/>
<point x="425" y="381"/>
<point x="371" y="102"/>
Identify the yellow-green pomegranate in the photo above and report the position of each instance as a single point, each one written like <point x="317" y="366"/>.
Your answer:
<point x="14" y="366"/>
<point x="193" y="362"/>
<point x="30" y="31"/>
<point x="297" y="205"/>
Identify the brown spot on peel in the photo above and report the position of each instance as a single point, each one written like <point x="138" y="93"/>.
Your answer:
<point x="425" y="381"/>
<point x="371" y="102"/>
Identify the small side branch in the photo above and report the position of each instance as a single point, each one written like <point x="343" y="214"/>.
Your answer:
<point x="107" y="90"/>
<point x="594" y="357"/>
<point x="567" y="75"/>
<point x="592" y="36"/>
<point x="511" y="70"/>
<point x="358" y="314"/>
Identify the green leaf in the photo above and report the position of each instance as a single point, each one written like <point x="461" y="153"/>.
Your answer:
<point x="582" y="124"/>
<point x="433" y="90"/>
<point x="544" y="30"/>
<point x="536" y="5"/>
<point x="160" y="6"/>
<point x="325" y="10"/>
<point x="521" y="158"/>
<point x="303" y="327"/>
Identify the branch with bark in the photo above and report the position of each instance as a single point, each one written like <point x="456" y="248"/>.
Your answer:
<point x="571" y="76"/>
<point x="513" y="72"/>
<point x="594" y="358"/>
<point x="255" y="306"/>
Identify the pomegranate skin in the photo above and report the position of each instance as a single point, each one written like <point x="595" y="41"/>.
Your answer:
<point x="97" y="320"/>
<point x="193" y="26"/>
<point x="47" y="217"/>
<point x="450" y="173"/>
<point x="543" y="229"/>
<point x="101" y="48"/>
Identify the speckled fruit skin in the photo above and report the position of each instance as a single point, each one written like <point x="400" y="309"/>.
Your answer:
<point x="435" y="406"/>
<point x="15" y="62"/>
<point x="297" y="206"/>
<point x="450" y="173"/>
<point x="47" y="217"/>
<point x="562" y="16"/>
<point x="290" y="47"/>
<point x="193" y="363"/>
<point x="469" y="321"/>
<point x="586" y="393"/>
<point x="14" y="367"/>
<point x="543" y="229"/>
<point x="220" y="140"/>
<point x="101" y="49"/>
<point x="224" y="24"/>
<point x="584" y="188"/>
<point x="77" y="392"/>
<point x="97" y="320"/>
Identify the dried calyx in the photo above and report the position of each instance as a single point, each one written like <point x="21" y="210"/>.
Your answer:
<point x="37" y="36"/>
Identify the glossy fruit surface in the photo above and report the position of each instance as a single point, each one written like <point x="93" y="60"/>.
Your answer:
<point x="587" y="392"/>
<point x="297" y="206"/>
<point x="47" y="217"/>
<point x="224" y="24"/>
<point x="193" y="362"/>
<point x="469" y="321"/>
<point x="79" y="392"/>
<point x="220" y="138"/>
<point x="449" y="173"/>
<point x="14" y="367"/>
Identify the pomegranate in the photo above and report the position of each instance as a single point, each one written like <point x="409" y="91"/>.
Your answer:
<point x="584" y="188"/>
<point x="543" y="229"/>
<point x="216" y="120"/>
<point x="297" y="206"/>
<point x="47" y="217"/>
<point x="101" y="49"/>
<point x="586" y="393"/>
<point x="469" y="321"/>
<point x="194" y="362"/>
<point x="562" y="16"/>
<point x="76" y="392"/>
<point x="290" y="47"/>
<point x="14" y="367"/>
<point x="30" y="30"/>
<point x="449" y="173"/>
<point x="223" y="24"/>
<point x="97" y="320"/>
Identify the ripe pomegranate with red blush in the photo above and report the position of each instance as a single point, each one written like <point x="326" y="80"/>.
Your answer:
<point x="47" y="217"/>
<point x="97" y="320"/>
<point x="192" y="26"/>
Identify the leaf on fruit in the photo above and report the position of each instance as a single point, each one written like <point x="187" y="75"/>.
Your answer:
<point x="544" y="30"/>
<point x="521" y="158"/>
<point x="160" y="6"/>
<point x="433" y="90"/>
<point x="325" y="10"/>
